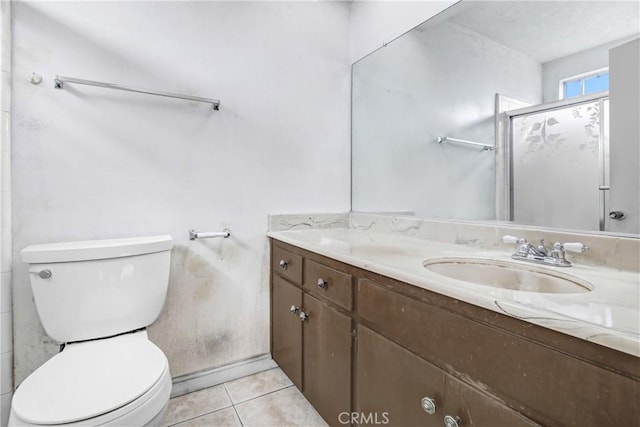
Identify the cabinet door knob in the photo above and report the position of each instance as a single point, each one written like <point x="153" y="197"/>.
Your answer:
<point x="283" y="264"/>
<point x="429" y="405"/>
<point x="450" y="421"/>
<point x="322" y="283"/>
<point x="303" y="316"/>
<point x="294" y="309"/>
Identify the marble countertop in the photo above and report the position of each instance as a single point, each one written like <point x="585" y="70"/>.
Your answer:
<point x="608" y="315"/>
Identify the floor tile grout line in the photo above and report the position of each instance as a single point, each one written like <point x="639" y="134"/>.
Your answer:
<point x="226" y="390"/>
<point x="238" y="415"/>
<point x="263" y="395"/>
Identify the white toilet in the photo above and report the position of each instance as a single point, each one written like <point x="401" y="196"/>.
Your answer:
<point x="97" y="297"/>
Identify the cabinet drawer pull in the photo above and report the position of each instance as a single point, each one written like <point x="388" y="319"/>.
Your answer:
<point x="283" y="264"/>
<point x="294" y="309"/>
<point x="322" y="283"/>
<point x="303" y="316"/>
<point x="450" y="421"/>
<point x="429" y="405"/>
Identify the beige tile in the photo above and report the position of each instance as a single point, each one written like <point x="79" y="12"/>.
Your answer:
<point x="286" y="407"/>
<point x="223" y="418"/>
<point x="256" y="385"/>
<point x="192" y="405"/>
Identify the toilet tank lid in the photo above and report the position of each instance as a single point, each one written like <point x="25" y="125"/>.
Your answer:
<point x="95" y="249"/>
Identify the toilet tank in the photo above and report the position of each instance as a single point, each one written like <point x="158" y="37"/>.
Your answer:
<point x="99" y="288"/>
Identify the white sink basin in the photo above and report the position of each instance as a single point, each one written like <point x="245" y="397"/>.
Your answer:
<point x="507" y="275"/>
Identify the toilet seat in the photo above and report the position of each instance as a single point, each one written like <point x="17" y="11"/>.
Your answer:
<point x="92" y="379"/>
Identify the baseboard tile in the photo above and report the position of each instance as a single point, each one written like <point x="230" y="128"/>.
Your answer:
<point x="197" y="381"/>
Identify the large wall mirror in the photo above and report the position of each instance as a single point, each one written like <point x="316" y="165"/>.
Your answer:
<point x="504" y="110"/>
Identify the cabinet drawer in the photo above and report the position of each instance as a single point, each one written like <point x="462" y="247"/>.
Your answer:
<point x="287" y="265"/>
<point x="332" y="284"/>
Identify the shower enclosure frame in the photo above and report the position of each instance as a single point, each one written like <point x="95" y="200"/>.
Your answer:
<point x="504" y="154"/>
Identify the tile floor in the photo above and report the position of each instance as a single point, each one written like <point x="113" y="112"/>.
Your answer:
<point x="265" y="399"/>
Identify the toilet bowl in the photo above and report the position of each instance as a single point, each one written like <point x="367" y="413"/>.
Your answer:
<point x="98" y="297"/>
<point x="119" y="381"/>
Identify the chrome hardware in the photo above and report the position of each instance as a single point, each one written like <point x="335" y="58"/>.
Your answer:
<point x="450" y="421"/>
<point x="44" y="274"/>
<point x="617" y="215"/>
<point x="429" y="405"/>
<point x="58" y="83"/>
<point x="193" y="234"/>
<point x="35" y="79"/>
<point x="322" y="283"/>
<point x="485" y="147"/>
<point x="283" y="264"/>
<point x="541" y="247"/>
<point x="525" y="251"/>
<point x="294" y="309"/>
<point x="303" y="316"/>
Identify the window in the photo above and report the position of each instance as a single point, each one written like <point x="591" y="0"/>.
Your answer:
<point x="585" y="84"/>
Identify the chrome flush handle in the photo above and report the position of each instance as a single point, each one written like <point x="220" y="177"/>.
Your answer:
<point x="44" y="274"/>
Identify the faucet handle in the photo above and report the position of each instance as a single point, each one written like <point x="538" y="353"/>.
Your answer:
<point x="511" y="239"/>
<point x="574" y="247"/>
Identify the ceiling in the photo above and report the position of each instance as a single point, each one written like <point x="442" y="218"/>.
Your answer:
<point x="547" y="30"/>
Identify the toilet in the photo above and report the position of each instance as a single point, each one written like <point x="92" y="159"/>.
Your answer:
<point x="96" y="298"/>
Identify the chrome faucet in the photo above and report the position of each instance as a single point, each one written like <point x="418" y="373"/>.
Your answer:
<point x="525" y="251"/>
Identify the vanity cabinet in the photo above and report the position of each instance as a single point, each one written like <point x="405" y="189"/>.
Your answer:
<point x="286" y="329"/>
<point x="377" y="347"/>
<point x="414" y="392"/>
<point x="392" y="383"/>
<point x="326" y="364"/>
<point x="311" y="330"/>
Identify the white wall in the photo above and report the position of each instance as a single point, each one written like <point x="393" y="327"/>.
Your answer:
<point x="6" y="332"/>
<point x="375" y="23"/>
<point x="435" y="81"/>
<point x="91" y="163"/>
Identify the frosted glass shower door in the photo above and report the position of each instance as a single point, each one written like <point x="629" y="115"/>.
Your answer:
<point x="557" y="167"/>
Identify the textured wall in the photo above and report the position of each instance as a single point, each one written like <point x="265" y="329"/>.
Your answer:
<point x="91" y="163"/>
<point x="375" y="23"/>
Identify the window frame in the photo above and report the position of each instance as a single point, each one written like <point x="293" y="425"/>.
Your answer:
<point x="580" y="78"/>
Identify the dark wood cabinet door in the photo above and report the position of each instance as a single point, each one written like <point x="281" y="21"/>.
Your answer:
<point x="390" y="380"/>
<point x="327" y="359"/>
<point x="477" y="409"/>
<point x="286" y="345"/>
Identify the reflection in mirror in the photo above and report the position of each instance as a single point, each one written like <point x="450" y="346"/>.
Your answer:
<point x="504" y="111"/>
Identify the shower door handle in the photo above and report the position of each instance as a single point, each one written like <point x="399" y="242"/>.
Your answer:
<point x="603" y="206"/>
